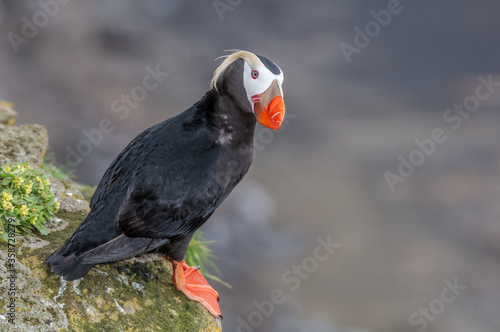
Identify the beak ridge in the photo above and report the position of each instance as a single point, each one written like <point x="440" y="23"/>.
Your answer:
<point x="270" y="109"/>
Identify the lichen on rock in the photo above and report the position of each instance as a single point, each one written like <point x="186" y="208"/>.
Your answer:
<point x="23" y="143"/>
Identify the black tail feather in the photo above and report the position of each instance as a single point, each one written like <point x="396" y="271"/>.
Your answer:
<point x="69" y="267"/>
<point x="73" y="267"/>
<point x="121" y="247"/>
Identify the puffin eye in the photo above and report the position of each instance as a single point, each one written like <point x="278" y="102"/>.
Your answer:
<point x="255" y="74"/>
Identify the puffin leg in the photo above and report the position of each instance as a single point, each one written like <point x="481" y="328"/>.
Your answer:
<point x="189" y="280"/>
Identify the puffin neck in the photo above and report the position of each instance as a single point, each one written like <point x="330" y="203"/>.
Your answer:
<point x="225" y="115"/>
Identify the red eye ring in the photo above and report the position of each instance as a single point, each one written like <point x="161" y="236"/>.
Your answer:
<point x="255" y="74"/>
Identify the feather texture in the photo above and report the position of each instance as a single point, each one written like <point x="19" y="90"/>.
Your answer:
<point x="166" y="183"/>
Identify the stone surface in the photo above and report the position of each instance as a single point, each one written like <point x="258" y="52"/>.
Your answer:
<point x="68" y="194"/>
<point x="23" y="143"/>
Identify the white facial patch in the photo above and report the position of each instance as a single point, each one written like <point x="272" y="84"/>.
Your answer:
<point x="256" y="86"/>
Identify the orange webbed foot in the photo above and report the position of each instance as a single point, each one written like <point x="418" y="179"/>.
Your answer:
<point x="189" y="280"/>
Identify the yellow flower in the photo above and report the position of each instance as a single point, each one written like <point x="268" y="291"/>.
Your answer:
<point x="18" y="181"/>
<point x="46" y="182"/>
<point x="40" y="186"/>
<point x="33" y="220"/>
<point x="56" y="206"/>
<point x="27" y="188"/>
<point x="7" y="206"/>
<point x="6" y="168"/>
<point x="23" y="210"/>
<point x="19" y="167"/>
<point x="6" y="197"/>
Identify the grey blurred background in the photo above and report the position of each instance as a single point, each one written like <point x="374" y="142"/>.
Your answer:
<point x="323" y="174"/>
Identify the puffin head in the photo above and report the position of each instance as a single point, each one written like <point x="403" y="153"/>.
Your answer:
<point x="256" y="81"/>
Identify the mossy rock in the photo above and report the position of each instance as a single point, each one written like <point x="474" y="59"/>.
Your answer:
<point x="130" y="295"/>
<point x="23" y="143"/>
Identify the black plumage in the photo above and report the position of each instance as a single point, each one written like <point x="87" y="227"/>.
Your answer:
<point x="166" y="183"/>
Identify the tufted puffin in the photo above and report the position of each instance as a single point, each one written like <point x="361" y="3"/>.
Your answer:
<point x="169" y="180"/>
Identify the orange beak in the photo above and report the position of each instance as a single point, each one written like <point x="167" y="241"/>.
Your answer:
<point x="269" y="107"/>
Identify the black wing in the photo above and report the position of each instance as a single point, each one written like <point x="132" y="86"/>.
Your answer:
<point x="170" y="202"/>
<point x="121" y="165"/>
